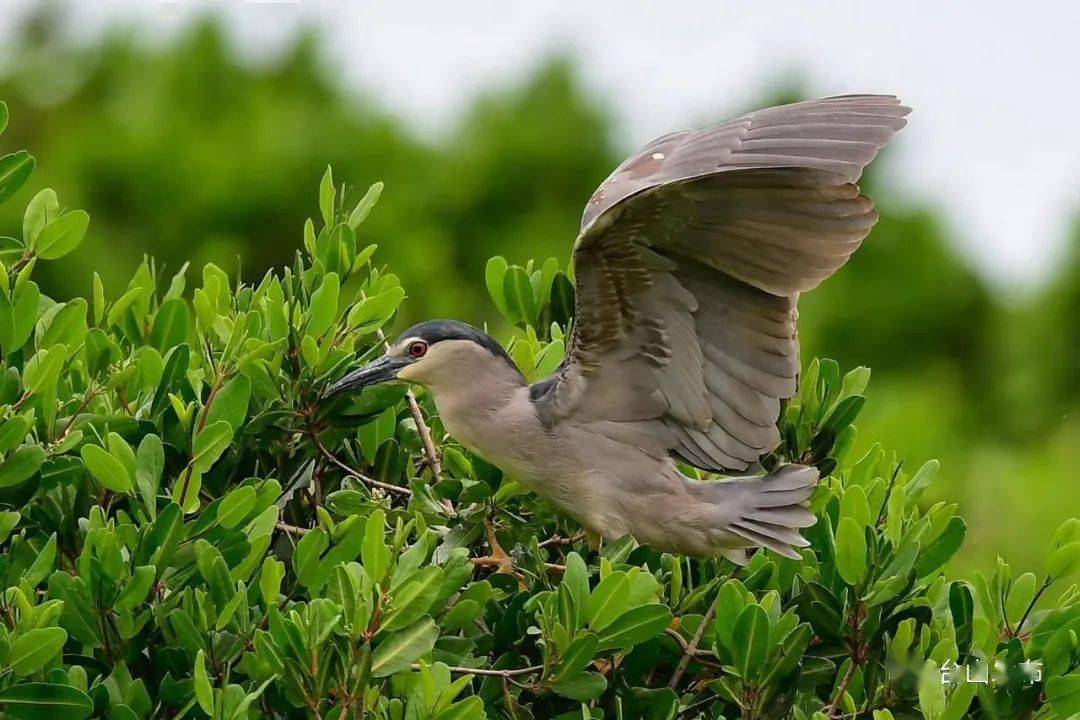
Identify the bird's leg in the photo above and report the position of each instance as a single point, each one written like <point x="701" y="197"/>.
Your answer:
<point x="497" y="558"/>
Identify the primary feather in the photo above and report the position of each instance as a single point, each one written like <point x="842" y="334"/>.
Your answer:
<point x="689" y="264"/>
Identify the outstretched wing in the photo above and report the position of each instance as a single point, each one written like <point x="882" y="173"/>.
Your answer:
<point x="689" y="264"/>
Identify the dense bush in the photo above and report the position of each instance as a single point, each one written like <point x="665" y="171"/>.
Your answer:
<point x="189" y="530"/>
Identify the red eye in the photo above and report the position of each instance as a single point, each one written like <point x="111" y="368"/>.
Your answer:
<point x="418" y="349"/>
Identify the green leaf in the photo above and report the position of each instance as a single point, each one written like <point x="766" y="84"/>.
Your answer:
<point x="1020" y="595"/>
<point x="562" y="299"/>
<point x="136" y="589"/>
<point x="414" y="598"/>
<point x="270" y="577"/>
<point x="24" y="315"/>
<point x="44" y="368"/>
<point x="375" y="554"/>
<point x="494" y="272"/>
<point x="15" y="170"/>
<point x="236" y="506"/>
<point x="750" y="641"/>
<point x="210" y="444"/>
<point x="170" y="325"/>
<point x="231" y="403"/>
<point x="374" y="311"/>
<point x="67" y="325"/>
<point x="41" y="210"/>
<point x="3" y="116"/>
<point x="41" y="701"/>
<point x="1064" y="561"/>
<point x="360" y="212"/>
<point x="471" y="708"/>
<point x="149" y="464"/>
<point x="1063" y="693"/>
<point x="62" y="235"/>
<point x="942" y="548"/>
<point x="579" y="654"/>
<point x="120" y="450"/>
<point x="13" y="431"/>
<point x="851" y="551"/>
<point x="32" y="650"/>
<point x="845" y="413"/>
<point x="635" y="626"/>
<point x="1066" y="532"/>
<point x="21" y="464"/>
<point x="576" y="579"/>
<point x="399" y="650"/>
<point x="204" y="691"/>
<point x="931" y="691"/>
<point x="307" y="554"/>
<point x="8" y="520"/>
<point x="324" y="304"/>
<point x="327" y="195"/>
<point x="43" y="564"/>
<point x="854" y="505"/>
<point x="517" y="289"/>
<point x="123" y="303"/>
<point x="582" y="686"/>
<point x="608" y="600"/>
<point x="106" y="469"/>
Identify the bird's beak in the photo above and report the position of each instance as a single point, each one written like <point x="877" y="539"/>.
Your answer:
<point x="377" y="371"/>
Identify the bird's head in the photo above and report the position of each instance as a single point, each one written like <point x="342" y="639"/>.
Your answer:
<point x="437" y="354"/>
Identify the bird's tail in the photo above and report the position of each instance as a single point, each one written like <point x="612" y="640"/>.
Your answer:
<point x="765" y="511"/>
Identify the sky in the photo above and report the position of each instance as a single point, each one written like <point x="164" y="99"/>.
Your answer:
<point x="994" y="139"/>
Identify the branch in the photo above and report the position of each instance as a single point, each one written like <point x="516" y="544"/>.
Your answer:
<point x="558" y="540"/>
<point x="830" y="710"/>
<point x="696" y="652"/>
<point x="1031" y="605"/>
<point x="356" y="473"/>
<point x="491" y="673"/>
<point x="691" y="649"/>
<point x="292" y="529"/>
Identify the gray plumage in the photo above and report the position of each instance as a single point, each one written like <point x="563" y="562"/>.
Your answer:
<point x="689" y="264"/>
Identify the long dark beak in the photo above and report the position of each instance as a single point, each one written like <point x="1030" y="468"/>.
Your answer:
<point x="377" y="371"/>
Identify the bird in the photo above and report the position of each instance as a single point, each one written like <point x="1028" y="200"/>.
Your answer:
<point x="689" y="264"/>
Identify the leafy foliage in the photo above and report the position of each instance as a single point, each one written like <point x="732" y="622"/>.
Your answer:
<point x="191" y="530"/>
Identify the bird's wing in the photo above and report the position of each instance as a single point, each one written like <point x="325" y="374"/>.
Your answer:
<point x="688" y="267"/>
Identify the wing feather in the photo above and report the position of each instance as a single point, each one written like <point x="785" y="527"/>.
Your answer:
<point x="689" y="264"/>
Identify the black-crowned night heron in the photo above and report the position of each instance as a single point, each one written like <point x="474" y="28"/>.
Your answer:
<point x="689" y="265"/>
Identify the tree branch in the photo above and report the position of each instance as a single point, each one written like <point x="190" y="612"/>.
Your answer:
<point x="292" y="529"/>
<point x="691" y="649"/>
<point x="356" y="473"/>
<point x="490" y="673"/>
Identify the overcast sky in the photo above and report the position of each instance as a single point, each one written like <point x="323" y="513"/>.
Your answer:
<point x="994" y="139"/>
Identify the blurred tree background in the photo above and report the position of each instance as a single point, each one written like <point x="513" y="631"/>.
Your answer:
<point x="187" y="153"/>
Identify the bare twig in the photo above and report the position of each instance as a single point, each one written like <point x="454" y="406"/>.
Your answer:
<point x="691" y="650"/>
<point x="1031" y="605"/>
<point x="292" y="529"/>
<point x="559" y="540"/>
<point x="90" y="394"/>
<point x="695" y="652"/>
<point x="830" y="710"/>
<point x="517" y="672"/>
<point x="356" y="473"/>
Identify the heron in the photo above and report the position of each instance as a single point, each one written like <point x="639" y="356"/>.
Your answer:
<point x="689" y="264"/>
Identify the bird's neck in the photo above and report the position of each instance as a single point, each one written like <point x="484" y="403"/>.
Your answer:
<point x="488" y="412"/>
